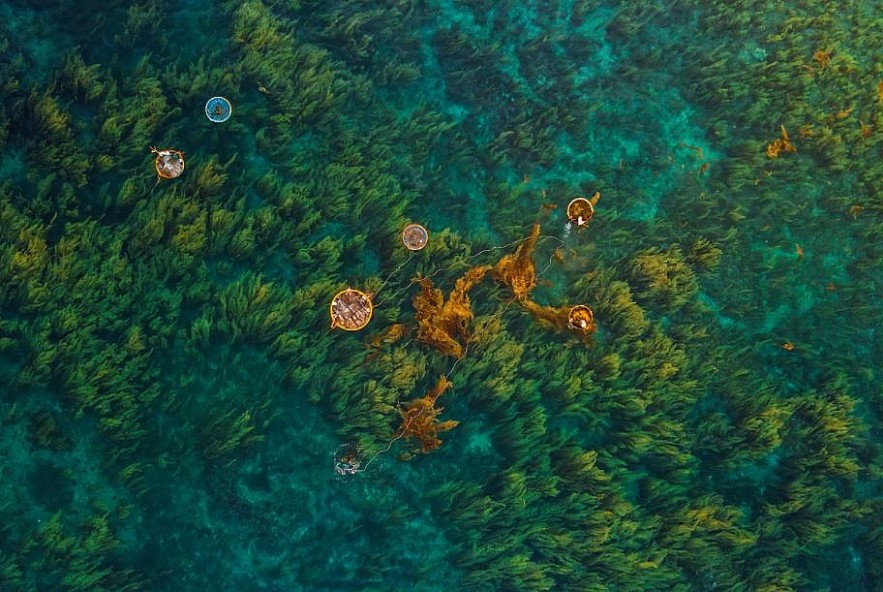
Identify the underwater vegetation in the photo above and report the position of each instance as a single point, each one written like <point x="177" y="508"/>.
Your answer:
<point x="681" y="395"/>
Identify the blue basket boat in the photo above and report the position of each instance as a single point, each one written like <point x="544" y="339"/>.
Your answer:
<point x="218" y="109"/>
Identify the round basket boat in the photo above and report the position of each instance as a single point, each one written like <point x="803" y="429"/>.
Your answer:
<point x="169" y="163"/>
<point x="351" y="310"/>
<point x="581" y="318"/>
<point x="415" y="237"/>
<point x="579" y="211"/>
<point x="218" y="109"/>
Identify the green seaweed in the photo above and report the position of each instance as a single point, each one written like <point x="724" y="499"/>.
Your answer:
<point x="716" y="433"/>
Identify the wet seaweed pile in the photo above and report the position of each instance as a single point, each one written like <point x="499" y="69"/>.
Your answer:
<point x="172" y="399"/>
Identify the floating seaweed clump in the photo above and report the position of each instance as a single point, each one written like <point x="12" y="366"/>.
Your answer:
<point x="578" y="319"/>
<point x="517" y="270"/>
<point x="420" y="418"/>
<point x="780" y="144"/>
<point x="444" y="323"/>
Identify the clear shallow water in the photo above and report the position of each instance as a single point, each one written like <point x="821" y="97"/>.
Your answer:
<point x="173" y="400"/>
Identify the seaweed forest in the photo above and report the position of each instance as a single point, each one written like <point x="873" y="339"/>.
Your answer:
<point x="574" y="295"/>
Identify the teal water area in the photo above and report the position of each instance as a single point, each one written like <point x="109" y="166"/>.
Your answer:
<point x="177" y="414"/>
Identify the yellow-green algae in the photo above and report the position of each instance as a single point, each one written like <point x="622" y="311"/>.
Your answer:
<point x="718" y="434"/>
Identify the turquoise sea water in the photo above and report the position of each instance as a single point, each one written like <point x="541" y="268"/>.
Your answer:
<point x="175" y="408"/>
